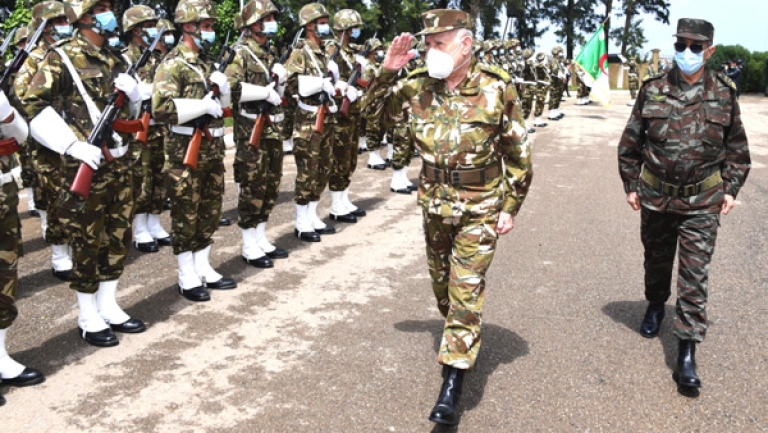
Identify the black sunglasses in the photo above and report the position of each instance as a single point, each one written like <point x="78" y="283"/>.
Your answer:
<point x="695" y="48"/>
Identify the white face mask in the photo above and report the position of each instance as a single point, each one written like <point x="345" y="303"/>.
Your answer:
<point x="440" y="64"/>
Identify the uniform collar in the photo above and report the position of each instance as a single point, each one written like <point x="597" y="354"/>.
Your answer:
<point x="187" y="54"/>
<point x="255" y="46"/>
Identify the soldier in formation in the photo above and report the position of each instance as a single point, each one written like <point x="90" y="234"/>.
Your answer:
<point x="634" y="80"/>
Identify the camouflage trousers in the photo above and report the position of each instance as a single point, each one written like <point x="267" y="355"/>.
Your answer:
<point x="148" y="176"/>
<point x="313" y="155"/>
<point x="403" y="146"/>
<point x="661" y="234"/>
<point x="633" y="86"/>
<point x="46" y="193"/>
<point x="345" y="144"/>
<point x="261" y="171"/>
<point x="541" y="98"/>
<point x="373" y="135"/>
<point x="10" y="249"/>
<point x="529" y="91"/>
<point x="99" y="226"/>
<point x="196" y="197"/>
<point x="583" y="90"/>
<point x="459" y="252"/>
<point x="288" y="118"/>
<point x="556" y="93"/>
<point x="28" y="178"/>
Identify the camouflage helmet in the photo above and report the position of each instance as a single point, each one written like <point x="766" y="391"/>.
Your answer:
<point x="137" y="15"/>
<point x="345" y="19"/>
<point x="487" y="46"/>
<point x="76" y="9"/>
<point x="557" y="50"/>
<point x="477" y="46"/>
<point x="237" y="22"/>
<point x="163" y="23"/>
<point x="22" y="34"/>
<point x="310" y="12"/>
<point x="541" y="57"/>
<point x="47" y="10"/>
<point x="376" y="44"/>
<point x="514" y="42"/>
<point x="192" y="11"/>
<point x="527" y="53"/>
<point x="255" y="11"/>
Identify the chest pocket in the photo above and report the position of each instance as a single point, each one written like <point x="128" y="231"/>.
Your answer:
<point x="656" y="120"/>
<point x="717" y="120"/>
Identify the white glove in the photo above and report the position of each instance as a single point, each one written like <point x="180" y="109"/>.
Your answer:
<point x="220" y="80"/>
<point x="128" y="85"/>
<point x="5" y="107"/>
<point x="145" y="89"/>
<point x="83" y="151"/>
<point x="340" y="87"/>
<point x="351" y="93"/>
<point x="281" y="73"/>
<point x="328" y="87"/>
<point x="334" y="68"/>
<point x="273" y="97"/>
<point x="361" y="61"/>
<point x="212" y="106"/>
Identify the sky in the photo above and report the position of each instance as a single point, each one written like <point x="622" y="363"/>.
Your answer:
<point x="742" y="22"/>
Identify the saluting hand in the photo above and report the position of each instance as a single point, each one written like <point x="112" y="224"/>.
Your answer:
<point x="399" y="53"/>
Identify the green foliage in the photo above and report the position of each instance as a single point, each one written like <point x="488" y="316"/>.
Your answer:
<point x="225" y="12"/>
<point x="20" y="17"/>
<point x="753" y="73"/>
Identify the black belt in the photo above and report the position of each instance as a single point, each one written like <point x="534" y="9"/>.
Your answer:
<point x="460" y="176"/>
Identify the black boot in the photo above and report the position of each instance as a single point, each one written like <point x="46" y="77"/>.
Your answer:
<point x="652" y="320"/>
<point x="685" y="374"/>
<point x="446" y="409"/>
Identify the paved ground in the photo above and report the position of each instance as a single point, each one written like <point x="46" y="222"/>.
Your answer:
<point x="342" y="337"/>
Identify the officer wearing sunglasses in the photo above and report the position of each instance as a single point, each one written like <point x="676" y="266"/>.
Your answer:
<point x="683" y="158"/>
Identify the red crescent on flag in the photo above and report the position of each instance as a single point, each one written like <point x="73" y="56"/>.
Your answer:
<point x="602" y="60"/>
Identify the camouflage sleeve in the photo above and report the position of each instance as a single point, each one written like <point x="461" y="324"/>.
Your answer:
<point x="515" y="150"/>
<point x="387" y="96"/>
<point x="631" y="146"/>
<point x="165" y="88"/>
<point x="737" y="159"/>
<point x="295" y="66"/>
<point x="45" y="85"/>
<point x="236" y="74"/>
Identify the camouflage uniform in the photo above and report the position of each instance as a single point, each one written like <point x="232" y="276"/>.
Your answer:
<point x="542" y="86"/>
<point x="634" y="78"/>
<point x="529" y="83"/>
<point x="373" y="132"/>
<point x="689" y="136"/>
<point x="460" y="218"/>
<point x="557" y="77"/>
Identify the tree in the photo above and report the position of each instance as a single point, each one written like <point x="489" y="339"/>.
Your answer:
<point x="575" y="20"/>
<point x="631" y="38"/>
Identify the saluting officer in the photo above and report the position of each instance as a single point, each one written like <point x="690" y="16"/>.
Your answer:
<point x="476" y="172"/>
<point x="74" y="82"/>
<point x="683" y="158"/>
<point x="183" y="98"/>
<point x="260" y="168"/>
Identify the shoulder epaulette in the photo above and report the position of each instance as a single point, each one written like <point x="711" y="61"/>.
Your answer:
<point x="417" y="71"/>
<point x="725" y="80"/>
<point x="497" y="71"/>
<point x="654" y="77"/>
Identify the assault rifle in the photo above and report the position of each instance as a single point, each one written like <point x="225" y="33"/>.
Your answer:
<point x="109" y="123"/>
<point x="262" y="110"/>
<point x="324" y="97"/>
<point x="354" y="80"/>
<point x="201" y="123"/>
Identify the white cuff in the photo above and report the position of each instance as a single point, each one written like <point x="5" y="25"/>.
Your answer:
<point x="17" y="128"/>
<point x="189" y="109"/>
<point x="310" y="85"/>
<point x="252" y="92"/>
<point x="50" y="130"/>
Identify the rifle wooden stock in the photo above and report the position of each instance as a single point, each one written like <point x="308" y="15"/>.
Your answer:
<point x="258" y="129"/>
<point x="9" y="146"/>
<point x="226" y="112"/>
<point x="344" y="110"/>
<point x="320" y="120"/>
<point x="106" y="153"/>
<point x="81" y="185"/>
<point x="193" y="150"/>
<point x="143" y="135"/>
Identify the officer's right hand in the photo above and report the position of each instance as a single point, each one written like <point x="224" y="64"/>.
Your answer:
<point x="83" y="151"/>
<point x="633" y="200"/>
<point x="212" y="106"/>
<point x="399" y="53"/>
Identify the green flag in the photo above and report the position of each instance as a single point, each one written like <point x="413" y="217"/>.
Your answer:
<point x="593" y="61"/>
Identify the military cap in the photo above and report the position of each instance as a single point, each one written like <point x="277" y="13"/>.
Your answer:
<point x="136" y="15"/>
<point x="345" y="19"/>
<point x="192" y="11"/>
<point x="21" y="35"/>
<point x="697" y="30"/>
<point x="47" y="10"/>
<point x="256" y="10"/>
<point x="310" y="12"/>
<point x="445" y="20"/>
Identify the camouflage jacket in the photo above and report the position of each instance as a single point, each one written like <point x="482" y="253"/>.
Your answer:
<point x="478" y="124"/>
<point x="131" y="55"/>
<point x="44" y="160"/>
<point x="682" y="134"/>
<point x="179" y="77"/>
<point x="632" y="71"/>
<point x="347" y="64"/>
<point x="53" y="86"/>
<point x="556" y="69"/>
<point x="246" y="69"/>
<point x="307" y="58"/>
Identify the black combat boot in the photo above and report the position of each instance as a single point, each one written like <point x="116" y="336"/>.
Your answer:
<point x="685" y="374"/>
<point x="652" y="320"/>
<point x="446" y="409"/>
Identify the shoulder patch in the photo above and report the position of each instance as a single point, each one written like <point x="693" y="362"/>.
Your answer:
<point x="495" y="70"/>
<point x="725" y="80"/>
<point x="417" y="71"/>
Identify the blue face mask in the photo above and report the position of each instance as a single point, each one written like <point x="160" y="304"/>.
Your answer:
<point x="688" y="62"/>
<point x="114" y="42"/>
<point x="323" y="30"/>
<point x="106" y="21"/>
<point x="270" y="28"/>
<point x="149" y="35"/>
<point x="63" y="31"/>
<point x="205" y="40"/>
<point x="355" y="33"/>
<point x="169" y="40"/>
